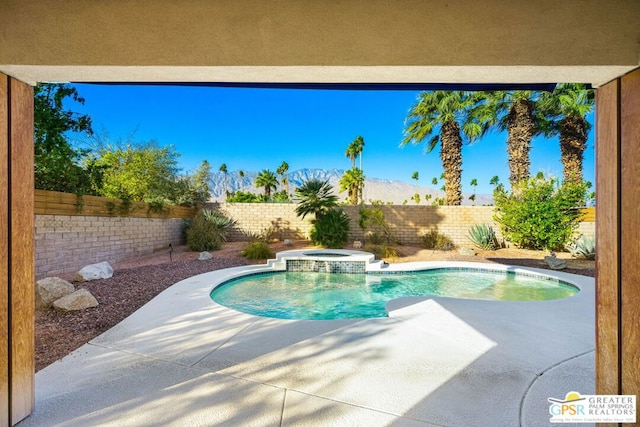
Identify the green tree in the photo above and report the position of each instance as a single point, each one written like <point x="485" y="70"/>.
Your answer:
<point x="520" y="114"/>
<point x="58" y="166"/>
<point x="352" y="181"/>
<point x="241" y="176"/>
<point x="539" y="213"/>
<point x="223" y="169"/>
<point x="443" y="117"/>
<point x="354" y="150"/>
<point x="139" y="172"/>
<point x="268" y="180"/>
<point x="474" y="184"/>
<point x="282" y="171"/>
<point x="571" y="103"/>
<point x="316" y="197"/>
<point x="191" y="190"/>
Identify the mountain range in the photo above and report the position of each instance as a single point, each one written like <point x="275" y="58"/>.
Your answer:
<point x="395" y="192"/>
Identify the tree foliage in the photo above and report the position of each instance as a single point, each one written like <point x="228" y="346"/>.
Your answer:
<point x="268" y="180"/>
<point x="331" y="230"/>
<point x="58" y="165"/>
<point x="443" y="118"/>
<point x="316" y="197"/>
<point x="539" y="213"/>
<point x="141" y="172"/>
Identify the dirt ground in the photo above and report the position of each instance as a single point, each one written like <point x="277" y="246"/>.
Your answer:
<point x="137" y="281"/>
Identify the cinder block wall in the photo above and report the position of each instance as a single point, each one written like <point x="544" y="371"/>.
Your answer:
<point x="255" y="218"/>
<point x="67" y="243"/>
<point x="407" y="222"/>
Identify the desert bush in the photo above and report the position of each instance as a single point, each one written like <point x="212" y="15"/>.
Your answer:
<point x="257" y="250"/>
<point x="583" y="247"/>
<point x="539" y="213"/>
<point x="331" y="230"/>
<point x="437" y="241"/>
<point x="208" y="230"/>
<point x="483" y="236"/>
<point x="382" y="251"/>
<point x="374" y="224"/>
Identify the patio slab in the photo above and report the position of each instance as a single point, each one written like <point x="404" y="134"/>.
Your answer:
<point x="184" y="360"/>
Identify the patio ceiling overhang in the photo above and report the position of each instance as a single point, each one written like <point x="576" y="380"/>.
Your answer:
<point x="377" y="77"/>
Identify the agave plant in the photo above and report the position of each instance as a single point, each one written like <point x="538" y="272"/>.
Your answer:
<point x="483" y="236"/>
<point x="583" y="247"/>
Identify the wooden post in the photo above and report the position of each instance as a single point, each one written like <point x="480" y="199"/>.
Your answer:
<point x="618" y="236"/>
<point x="17" y="284"/>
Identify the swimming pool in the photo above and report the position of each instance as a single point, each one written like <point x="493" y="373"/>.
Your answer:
<point x="310" y="295"/>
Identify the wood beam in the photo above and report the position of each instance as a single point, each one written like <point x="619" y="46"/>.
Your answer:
<point x="17" y="278"/>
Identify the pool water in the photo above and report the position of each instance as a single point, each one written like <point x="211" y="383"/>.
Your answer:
<point x="307" y="295"/>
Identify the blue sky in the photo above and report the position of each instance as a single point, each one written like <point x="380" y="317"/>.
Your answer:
<point x="255" y="129"/>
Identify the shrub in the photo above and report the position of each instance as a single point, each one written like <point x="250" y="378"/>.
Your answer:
<point x="483" y="237"/>
<point x="437" y="241"/>
<point x="583" y="247"/>
<point x="382" y="251"/>
<point x="331" y="230"/>
<point x="374" y="224"/>
<point x="539" y="213"/>
<point x="208" y="230"/>
<point x="257" y="250"/>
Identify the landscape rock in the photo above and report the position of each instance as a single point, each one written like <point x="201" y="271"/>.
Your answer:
<point x="50" y="289"/>
<point x="203" y="256"/>
<point x="101" y="270"/>
<point x="555" y="263"/>
<point x="466" y="252"/>
<point x="78" y="300"/>
<point x="288" y="242"/>
<point x="357" y="244"/>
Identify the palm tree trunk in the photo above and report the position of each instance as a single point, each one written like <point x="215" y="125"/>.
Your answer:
<point x="573" y="141"/>
<point x="520" y="129"/>
<point x="451" y="156"/>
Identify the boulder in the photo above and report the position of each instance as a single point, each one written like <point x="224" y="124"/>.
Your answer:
<point x="78" y="300"/>
<point x="357" y="244"/>
<point x="466" y="252"/>
<point x="555" y="263"/>
<point x="50" y="289"/>
<point x="101" y="270"/>
<point x="203" y="256"/>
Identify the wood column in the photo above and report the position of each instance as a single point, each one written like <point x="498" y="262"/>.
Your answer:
<point x="17" y="283"/>
<point x="618" y="236"/>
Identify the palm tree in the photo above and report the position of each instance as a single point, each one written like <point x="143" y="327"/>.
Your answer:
<point x="474" y="184"/>
<point x="268" y="180"/>
<point x="443" y="116"/>
<point x="571" y="102"/>
<point x="223" y="169"/>
<point x="284" y="179"/>
<point x="354" y="150"/>
<point x="352" y="181"/>
<point x="520" y="114"/>
<point x="241" y="175"/>
<point x="315" y="196"/>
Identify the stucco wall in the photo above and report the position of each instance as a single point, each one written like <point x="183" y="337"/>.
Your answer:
<point x="67" y="243"/>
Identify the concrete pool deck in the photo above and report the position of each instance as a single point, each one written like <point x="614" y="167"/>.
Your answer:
<point x="184" y="360"/>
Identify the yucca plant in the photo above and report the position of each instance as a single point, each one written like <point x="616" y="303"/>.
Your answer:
<point x="483" y="237"/>
<point x="583" y="247"/>
<point x="208" y="230"/>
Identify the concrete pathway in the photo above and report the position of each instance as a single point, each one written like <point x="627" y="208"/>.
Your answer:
<point x="182" y="360"/>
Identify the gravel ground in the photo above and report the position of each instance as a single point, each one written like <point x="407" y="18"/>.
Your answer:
<point x="137" y="281"/>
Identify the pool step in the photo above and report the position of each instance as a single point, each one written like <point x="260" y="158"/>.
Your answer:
<point x="376" y="265"/>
